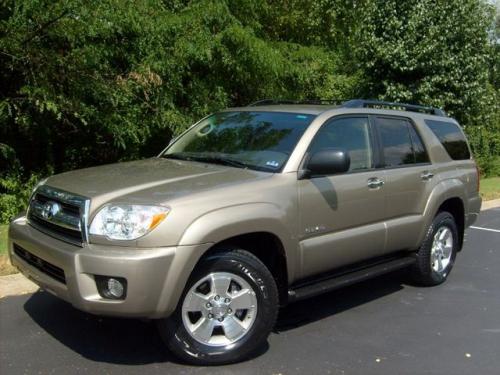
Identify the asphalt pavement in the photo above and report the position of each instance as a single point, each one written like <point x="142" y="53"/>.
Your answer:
<point x="383" y="326"/>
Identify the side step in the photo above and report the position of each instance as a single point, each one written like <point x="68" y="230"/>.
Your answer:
<point x="345" y="279"/>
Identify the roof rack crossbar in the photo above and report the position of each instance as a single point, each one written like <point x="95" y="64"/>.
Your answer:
<point x="361" y="103"/>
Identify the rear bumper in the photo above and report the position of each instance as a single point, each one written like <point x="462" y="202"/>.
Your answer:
<point x="155" y="277"/>
<point x="474" y="205"/>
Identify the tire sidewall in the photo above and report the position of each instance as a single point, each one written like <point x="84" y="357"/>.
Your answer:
<point x="191" y="350"/>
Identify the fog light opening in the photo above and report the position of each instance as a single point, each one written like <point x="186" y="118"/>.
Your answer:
<point x="111" y="287"/>
<point x="115" y="288"/>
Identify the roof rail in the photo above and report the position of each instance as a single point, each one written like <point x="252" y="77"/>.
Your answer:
<point x="355" y="103"/>
<point x="361" y="103"/>
<point x="291" y="101"/>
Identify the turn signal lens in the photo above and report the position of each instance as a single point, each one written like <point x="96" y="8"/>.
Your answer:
<point x="157" y="219"/>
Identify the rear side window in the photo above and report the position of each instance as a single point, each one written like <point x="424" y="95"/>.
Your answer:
<point x="451" y="137"/>
<point x="400" y="142"/>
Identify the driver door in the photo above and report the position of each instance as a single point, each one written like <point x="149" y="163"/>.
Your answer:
<point x="342" y="216"/>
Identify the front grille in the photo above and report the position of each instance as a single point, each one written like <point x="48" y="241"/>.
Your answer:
<point x="47" y="268"/>
<point x="70" y="208"/>
<point x="59" y="214"/>
<point x="74" y="235"/>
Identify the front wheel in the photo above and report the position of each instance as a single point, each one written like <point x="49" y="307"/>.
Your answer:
<point x="436" y="255"/>
<point x="227" y="310"/>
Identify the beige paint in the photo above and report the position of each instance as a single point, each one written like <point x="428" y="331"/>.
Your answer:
<point x="323" y="223"/>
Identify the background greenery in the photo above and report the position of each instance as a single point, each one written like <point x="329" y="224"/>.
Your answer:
<point x="86" y="82"/>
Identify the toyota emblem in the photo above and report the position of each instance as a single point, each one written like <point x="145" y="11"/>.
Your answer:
<point x="50" y="209"/>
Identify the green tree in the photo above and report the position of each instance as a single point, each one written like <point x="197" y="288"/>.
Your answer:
<point x="87" y="82"/>
<point x="438" y="53"/>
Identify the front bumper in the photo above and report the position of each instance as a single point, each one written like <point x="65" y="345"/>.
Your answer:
<point x="155" y="277"/>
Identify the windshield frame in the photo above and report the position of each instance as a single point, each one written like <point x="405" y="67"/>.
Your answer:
<point x="163" y="153"/>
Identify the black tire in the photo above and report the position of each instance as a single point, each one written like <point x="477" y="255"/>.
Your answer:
<point x="422" y="271"/>
<point x="245" y="265"/>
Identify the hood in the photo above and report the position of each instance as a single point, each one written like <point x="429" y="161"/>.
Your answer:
<point x="149" y="181"/>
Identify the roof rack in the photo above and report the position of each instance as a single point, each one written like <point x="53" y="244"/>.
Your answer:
<point x="355" y="103"/>
<point x="291" y="101"/>
<point x="361" y="103"/>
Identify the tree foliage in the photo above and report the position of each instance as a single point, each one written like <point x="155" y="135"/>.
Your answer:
<point x="440" y="53"/>
<point x="86" y="82"/>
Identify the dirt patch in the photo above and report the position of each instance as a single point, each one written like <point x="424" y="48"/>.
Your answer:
<point x="13" y="285"/>
<point x="5" y="267"/>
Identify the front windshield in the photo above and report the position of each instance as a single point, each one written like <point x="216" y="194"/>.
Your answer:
<point x="255" y="140"/>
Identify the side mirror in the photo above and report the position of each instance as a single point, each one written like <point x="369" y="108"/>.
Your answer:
<point x="328" y="161"/>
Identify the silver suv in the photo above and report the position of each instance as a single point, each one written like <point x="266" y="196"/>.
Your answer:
<point x="248" y="210"/>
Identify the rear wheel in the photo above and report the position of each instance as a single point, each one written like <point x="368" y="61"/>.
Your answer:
<point x="226" y="312"/>
<point x="436" y="256"/>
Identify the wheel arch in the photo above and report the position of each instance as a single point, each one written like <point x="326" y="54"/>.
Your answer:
<point x="263" y="229"/>
<point x="448" y="195"/>
<point x="455" y="206"/>
<point x="268" y="248"/>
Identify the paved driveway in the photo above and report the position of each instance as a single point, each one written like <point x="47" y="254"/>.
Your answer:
<point x="383" y="326"/>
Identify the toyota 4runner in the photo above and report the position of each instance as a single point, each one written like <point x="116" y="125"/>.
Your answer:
<point x="248" y="210"/>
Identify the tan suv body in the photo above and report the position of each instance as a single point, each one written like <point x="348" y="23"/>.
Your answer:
<point x="299" y="225"/>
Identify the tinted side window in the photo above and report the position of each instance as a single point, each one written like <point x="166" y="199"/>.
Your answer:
<point x="418" y="146"/>
<point x="451" y="138"/>
<point x="351" y="134"/>
<point x="396" y="141"/>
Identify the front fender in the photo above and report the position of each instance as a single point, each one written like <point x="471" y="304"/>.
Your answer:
<point x="227" y="222"/>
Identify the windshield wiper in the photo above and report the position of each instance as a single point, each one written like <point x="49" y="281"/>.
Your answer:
<point x="216" y="159"/>
<point x="208" y="159"/>
<point x="221" y="160"/>
<point x="176" y="156"/>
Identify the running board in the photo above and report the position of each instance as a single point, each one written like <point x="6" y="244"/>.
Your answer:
<point x="345" y="279"/>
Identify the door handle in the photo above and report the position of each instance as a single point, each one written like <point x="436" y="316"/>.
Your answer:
<point x="426" y="176"/>
<point x="375" y="182"/>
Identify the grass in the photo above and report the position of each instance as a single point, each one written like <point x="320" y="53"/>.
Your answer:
<point x="3" y="239"/>
<point x="5" y="266"/>
<point x="490" y="188"/>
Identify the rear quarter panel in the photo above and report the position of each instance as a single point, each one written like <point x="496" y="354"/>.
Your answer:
<point x="456" y="178"/>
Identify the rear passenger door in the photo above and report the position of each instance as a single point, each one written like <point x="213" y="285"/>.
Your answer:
<point x="409" y="180"/>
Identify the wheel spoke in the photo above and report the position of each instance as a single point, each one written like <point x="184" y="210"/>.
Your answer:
<point x="233" y="327"/>
<point x="440" y="264"/>
<point x="447" y="251"/>
<point x="220" y="285"/>
<point x="433" y="259"/>
<point x="444" y="234"/>
<point x="195" y="302"/>
<point x="203" y="329"/>
<point x="241" y="300"/>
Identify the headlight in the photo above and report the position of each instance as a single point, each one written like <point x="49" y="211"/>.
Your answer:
<point x="127" y="222"/>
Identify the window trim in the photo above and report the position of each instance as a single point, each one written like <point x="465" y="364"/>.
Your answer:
<point x="411" y="123"/>
<point x="419" y="136"/>
<point x="372" y="139"/>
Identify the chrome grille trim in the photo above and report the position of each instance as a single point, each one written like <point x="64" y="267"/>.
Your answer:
<point x="61" y="218"/>
<point x="60" y="214"/>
